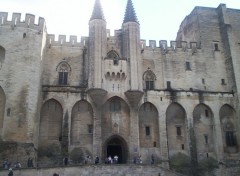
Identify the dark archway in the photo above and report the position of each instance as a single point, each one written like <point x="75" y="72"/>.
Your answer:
<point x="229" y="121"/>
<point x="116" y="145"/>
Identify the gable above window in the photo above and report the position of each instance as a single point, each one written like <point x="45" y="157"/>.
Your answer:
<point x="113" y="55"/>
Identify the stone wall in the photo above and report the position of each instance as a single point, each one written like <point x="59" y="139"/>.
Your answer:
<point x="120" y="170"/>
<point x="20" y="75"/>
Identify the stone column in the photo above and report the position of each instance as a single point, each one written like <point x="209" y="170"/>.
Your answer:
<point x="134" y="147"/>
<point x="217" y="134"/>
<point x="163" y="137"/>
<point x="97" y="96"/>
<point x="97" y="133"/>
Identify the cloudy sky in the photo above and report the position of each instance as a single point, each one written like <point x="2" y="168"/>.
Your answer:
<point x="159" y="19"/>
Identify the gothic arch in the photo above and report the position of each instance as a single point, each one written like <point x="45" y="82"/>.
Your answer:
<point x="148" y="126"/>
<point x="113" y="55"/>
<point x="115" y="118"/>
<point x="51" y="118"/>
<point x="228" y="121"/>
<point x="116" y="145"/>
<point x="203" y="121"/>
<point x="63" y="65"/>
<point x="176" y="122"/>
<point x="2" y="106"/>
<point x="149" y="79"/>
<point x="82" y="124"/>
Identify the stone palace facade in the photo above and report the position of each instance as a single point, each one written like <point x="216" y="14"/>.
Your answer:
<point x="116" y="95"/>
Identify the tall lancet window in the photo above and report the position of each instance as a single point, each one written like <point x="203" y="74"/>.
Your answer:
<point x="63" y="73"/>
<point x="149" y="79"/>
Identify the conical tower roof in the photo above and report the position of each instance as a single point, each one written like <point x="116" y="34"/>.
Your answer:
<point x="97" y="11"/>
<point x="130" y="15"/>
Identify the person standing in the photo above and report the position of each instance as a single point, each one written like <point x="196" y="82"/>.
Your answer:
<point x="96" y="160"/>
<point x="66" y="161"/>
<point x="152" y="159"/>
<point x="115" y="159"/>
<point x="10" y="172"/>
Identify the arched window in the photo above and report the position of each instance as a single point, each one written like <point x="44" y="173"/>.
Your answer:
<point x="149" y="77"/>
<point x="229" y="120"/>
<point x="113" y="56"/>
<point x="115" y="105"/>
<point x="63" y="70"/>
<point x="230" y="136"/>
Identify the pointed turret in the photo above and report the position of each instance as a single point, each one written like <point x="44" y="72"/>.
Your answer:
<point x="130" y="15"/>
<point x="97" y="46"/>
<point x="97" y="11"/>
<point x="131" y="46"/>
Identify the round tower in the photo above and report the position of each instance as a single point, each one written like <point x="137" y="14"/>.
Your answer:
<point x="97" y="45"/>
<point x="131" y="46"/>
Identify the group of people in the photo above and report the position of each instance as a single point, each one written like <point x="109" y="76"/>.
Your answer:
<point x="138" y="160"/>
<point x="110" y="160"/>
<point x="17" y="164"/>
<point x="6" y="164"/>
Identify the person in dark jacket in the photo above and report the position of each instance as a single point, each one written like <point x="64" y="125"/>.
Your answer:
<point x="10" y="172"/>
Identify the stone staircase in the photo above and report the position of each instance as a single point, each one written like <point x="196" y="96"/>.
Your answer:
<point x="96" y="170"/>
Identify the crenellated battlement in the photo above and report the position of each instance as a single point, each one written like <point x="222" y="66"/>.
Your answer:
<point x="174" y="45"/>
<point x="28" y="22"/>
<point x="62" y="41"/>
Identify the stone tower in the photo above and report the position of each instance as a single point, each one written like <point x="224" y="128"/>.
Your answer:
<point x="97" y="45"/>
<point x="131" y="46"/>
<point x="20" y="75"/>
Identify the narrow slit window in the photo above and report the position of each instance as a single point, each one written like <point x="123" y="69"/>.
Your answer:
<point x="223" y="82"/>
<point x="168" y="84"/>
<point x="206" y="138"/>
<point x="182" y="146"/>
<point x="206" y="113"/>
<point x="90" y="129"/>
<point x="147" y="130"/>
<point x="188" y="66"/>
<point x="8" y="112"/>
<point x="179" y="131"/>
<point x="216" y="48"/>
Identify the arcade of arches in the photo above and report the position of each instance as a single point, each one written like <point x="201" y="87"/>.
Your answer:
<point x="115" y="128"/>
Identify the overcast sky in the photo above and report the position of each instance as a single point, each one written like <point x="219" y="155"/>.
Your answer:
<point x="159" y="19"/>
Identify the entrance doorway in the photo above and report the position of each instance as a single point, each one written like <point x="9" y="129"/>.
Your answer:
<point x="113" y="150"/>
<point x="116" y="146"/>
